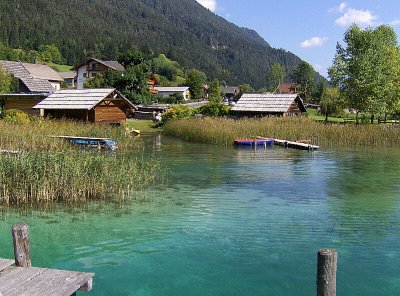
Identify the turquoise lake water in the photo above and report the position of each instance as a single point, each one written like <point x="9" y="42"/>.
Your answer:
<point x="233" y="222"/>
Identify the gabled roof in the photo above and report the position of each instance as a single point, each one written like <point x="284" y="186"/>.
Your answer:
<point x="231" y="89"/>
<point x="267" y="103"/>
<point x="18" y="70"/>
<point x="114" y="65"/>
<point x="79" y="99"/>
<point x="42" y="72"/>
<point x="172" y="88"/>
<point x="68" y="74"/>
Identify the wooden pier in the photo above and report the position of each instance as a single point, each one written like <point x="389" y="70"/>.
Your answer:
<point x="23" y="279"/>
<point x="296" y="145"/>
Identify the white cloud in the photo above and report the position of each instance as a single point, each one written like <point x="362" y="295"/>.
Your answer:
<point x="318" y="67"/>
<point x="351" y="16"/>
<point x="340" y="8"/>
<point x="313" y="42"/>
<point x="210" y="4"/>
<point x="395" y="23"/>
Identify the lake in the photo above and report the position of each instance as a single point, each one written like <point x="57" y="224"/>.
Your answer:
<point x="233" y="222"/>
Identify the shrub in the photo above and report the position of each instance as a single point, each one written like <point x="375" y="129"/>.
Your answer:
<point x="214" y="109"/>
<point x="178" y="112"/>
<point x="16" y="117"/>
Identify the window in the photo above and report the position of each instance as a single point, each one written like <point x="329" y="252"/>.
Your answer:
<point x="84" y="74"/>
<point x="94" y="74"/>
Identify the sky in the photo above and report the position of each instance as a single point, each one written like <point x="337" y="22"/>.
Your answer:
<point x="308" y="28"/>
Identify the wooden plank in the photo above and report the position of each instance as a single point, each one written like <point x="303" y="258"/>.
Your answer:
<point x="57" y="282"/>
<point x="296" y="145"/>
<point x="20" y="280"/>
<point x="4" y="263"/>
<point x="42" y="281"/>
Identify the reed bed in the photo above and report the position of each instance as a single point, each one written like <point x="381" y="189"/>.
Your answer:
<point x="37" y="135"/>
<point x="50" y="170"/>
<point x="70" y="177"/>
<point x="223" y="131"/>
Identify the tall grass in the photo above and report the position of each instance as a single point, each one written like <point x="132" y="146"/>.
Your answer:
<point x="37" y="135"/>
<point x="49" y="170"/>
<point x="224" y="131"/>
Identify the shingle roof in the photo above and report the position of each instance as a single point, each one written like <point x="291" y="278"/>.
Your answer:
<point x="42" y="72"/>
<point x="231" y="89"/>
<point x="18" y="70"/>
<point x="68" y="74"/>
<point x="273" y="103"/>
<point x="115" y="65"/>
<point x="172" y="88"/>
<point x="78" y="99"/>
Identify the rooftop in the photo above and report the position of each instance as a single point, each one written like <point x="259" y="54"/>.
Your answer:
<point x="78" y="99"/>
<point x="268" y="103"/>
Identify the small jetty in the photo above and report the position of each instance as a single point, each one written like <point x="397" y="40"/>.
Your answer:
<point x="302" y="145"/>
<point x="23" y="279"/>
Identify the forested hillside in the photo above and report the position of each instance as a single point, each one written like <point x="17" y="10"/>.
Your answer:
<point x="182" y="29"/>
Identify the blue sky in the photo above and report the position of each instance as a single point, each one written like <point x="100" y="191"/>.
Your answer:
<point x="308" y="28"/>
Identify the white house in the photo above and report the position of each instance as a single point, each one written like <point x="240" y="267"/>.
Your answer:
<point x="91" y="67"/>
<point x="169" y="91"/>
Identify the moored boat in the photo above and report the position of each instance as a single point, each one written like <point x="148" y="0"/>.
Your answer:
<point x="91" y="142"/>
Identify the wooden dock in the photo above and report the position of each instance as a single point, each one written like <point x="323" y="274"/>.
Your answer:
<point x="25" y="280"/>
<point x="295" y="145"/>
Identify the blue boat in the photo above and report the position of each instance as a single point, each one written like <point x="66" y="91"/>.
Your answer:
<point x="99" y="143"/>
<point x="254" y="142"/>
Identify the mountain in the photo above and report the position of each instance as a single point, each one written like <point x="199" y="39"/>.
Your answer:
<point x="182" y="29"/>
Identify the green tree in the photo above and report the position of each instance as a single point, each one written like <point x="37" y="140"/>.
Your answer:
<point x="215" y="92"/>
<point x="5" y="81"/>
<point x="275" y="77"/>
<point x="196" y="80"/>
<point x="332" y="101"/>
<point x="166" y="67"/>
<point x="50" y="53"/>
<point x="367" y="69"/>
<point x="214" y="107"/>
<point x="131" y="57"/>
<point x="303" y="75"/>
<point x="245" y="89"/>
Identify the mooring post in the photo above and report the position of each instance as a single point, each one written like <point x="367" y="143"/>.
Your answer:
<point x="22" y="252"/>
<point x="326" y="272"/>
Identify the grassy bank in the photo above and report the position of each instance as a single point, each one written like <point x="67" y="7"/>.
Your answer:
<point x="50" y="170"/>
<point x="224" y="131"/>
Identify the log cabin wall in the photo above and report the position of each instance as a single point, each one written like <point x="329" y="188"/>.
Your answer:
<point x="110" y="111"/>
<point x="21" y="104"/>
<point x="294" y="108"/>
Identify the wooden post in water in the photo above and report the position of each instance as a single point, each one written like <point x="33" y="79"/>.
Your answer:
<point x="326" y="272"/>
<point x="22" y="251"/>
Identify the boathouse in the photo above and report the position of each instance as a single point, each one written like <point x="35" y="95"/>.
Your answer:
<point x="269" y="104"/>
<point x="89" y="105"/>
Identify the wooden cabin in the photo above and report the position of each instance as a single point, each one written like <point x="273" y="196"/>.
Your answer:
<point x="89" y="105"/>
<point x="269" y="104"/>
